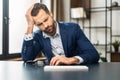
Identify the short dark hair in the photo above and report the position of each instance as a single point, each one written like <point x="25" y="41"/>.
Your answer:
<point x="37" y="7"/>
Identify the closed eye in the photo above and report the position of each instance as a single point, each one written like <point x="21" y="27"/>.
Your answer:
<point x="45" y="20"/>
<point x="39" y="24"/>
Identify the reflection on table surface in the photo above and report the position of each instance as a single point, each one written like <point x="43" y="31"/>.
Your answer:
<point x="18" y="70"/>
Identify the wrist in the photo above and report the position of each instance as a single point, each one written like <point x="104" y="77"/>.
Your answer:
<point x="29" y="29"/>
<point x="28" y="37"/>
<point x="74" y="60"/>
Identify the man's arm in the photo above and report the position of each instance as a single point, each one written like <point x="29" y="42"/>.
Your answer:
<point x="30" y="47"/>
<point x="88" y="52"/>
<point x="29" y="20"/>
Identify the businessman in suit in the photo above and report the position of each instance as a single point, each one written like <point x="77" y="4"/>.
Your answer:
<point x="61" y="43"/>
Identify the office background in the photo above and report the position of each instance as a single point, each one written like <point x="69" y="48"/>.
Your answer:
<point x="13" y="24"/>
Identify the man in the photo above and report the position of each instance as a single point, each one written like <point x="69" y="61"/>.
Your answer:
<point x="61" y="43"/>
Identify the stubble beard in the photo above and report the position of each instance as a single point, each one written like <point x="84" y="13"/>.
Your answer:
<point x="53" y="30"/>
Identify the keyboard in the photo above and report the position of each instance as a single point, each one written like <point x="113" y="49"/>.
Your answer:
<point x="65" y="68"/>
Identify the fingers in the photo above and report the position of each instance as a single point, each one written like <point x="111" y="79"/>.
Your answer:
<point x="29" y="17"/>
<point x="30" y="9"/>
<point x="57" y="60"/>
<point x="53" y="61"/>
<point x="30" y="20"/>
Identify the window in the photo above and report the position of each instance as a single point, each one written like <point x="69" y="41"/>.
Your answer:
<point x="13" y="25"/>
<point x="1" y="26"/>
<point x="47" y="3"/>
<point x="17" y="23"/>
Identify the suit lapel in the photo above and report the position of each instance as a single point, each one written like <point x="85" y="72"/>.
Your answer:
<point x="63" y="37"/>
<point x="48" y="47"/>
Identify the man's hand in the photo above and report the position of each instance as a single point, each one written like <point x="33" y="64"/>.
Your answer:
<point x="57" y="60"/>
<point x="29" y="20"/>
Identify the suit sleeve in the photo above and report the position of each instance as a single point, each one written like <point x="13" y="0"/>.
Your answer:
<point x="30" y="49"/>
<point x="88" y="51"/>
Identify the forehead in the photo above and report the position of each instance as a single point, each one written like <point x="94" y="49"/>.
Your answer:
<point x="41" y="16"/>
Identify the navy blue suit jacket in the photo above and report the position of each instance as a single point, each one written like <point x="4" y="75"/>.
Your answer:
<point x="74" y="41"/>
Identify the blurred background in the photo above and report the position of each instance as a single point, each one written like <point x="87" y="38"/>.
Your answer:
<point x="99" y="19"/>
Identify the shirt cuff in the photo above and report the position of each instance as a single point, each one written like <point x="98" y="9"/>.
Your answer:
<point x="28" y="37"/>
<point x="80" y="59"/>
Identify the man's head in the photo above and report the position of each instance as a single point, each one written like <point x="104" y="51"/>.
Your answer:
<point x="37" y="7"/>
<point x="43" y="19"/>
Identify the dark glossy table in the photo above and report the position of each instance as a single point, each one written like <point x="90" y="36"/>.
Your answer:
<point x="17" y="70"/>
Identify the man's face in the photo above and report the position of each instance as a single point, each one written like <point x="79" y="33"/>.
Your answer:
<point x="45" y="22"/>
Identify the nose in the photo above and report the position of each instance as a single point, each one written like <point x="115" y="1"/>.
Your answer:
<point x="45" y="25"/>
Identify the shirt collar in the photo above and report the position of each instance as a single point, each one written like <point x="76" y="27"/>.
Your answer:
<point x="56" y="34"/>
